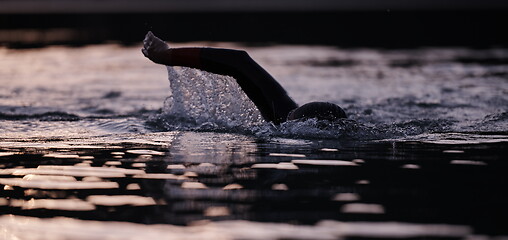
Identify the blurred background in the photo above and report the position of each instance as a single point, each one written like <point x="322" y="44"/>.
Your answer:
<point x="369" y="23"/>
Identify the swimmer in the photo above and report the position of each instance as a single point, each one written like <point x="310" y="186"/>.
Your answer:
<point x="266" y="93"/>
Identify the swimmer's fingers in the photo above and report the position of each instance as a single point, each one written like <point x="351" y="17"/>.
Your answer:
<point x="147" y="42"/>
<point x="154" y="48"/>
<point x="155" y="41"/>
<point x="145" y="48"/>
<point x="147" y="36"/>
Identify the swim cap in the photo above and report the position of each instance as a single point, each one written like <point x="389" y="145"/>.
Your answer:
<point x="320" y="110"/>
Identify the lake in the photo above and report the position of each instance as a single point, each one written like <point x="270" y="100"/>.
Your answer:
<point x="96" y="143"/>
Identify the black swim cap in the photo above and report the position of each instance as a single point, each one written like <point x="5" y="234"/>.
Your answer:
<point x="319" y="110"/>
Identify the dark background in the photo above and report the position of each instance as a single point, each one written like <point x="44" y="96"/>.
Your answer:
<point x="362" y="25"/>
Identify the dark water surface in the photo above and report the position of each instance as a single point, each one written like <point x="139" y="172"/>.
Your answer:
<point x="94" y="144"/>
<point x="186" y="177"/>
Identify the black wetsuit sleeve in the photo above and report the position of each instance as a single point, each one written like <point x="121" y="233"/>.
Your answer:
<point x="266" y="93"/>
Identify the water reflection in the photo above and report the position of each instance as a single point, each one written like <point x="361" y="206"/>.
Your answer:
<point x="119" y="200"/>
<point x="18" y="227"/>
<point x="187" y="177"/>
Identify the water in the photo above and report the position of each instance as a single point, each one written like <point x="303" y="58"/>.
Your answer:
<point x="395" y="94"/>
<point x="96" y="134"/>
<point x="386" y="93"/>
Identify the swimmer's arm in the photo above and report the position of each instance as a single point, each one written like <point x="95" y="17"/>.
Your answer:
<point x="266" y="93"/>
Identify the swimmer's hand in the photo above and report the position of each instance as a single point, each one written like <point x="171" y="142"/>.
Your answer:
<point x="154" y="48"/>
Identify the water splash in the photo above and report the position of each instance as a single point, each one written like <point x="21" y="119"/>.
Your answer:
<point x="352" y="129"/>
<point x="205" y="101"/>
<point x="202" y="101"/>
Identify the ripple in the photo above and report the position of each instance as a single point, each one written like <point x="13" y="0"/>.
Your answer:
<point x="160" y="176"/>
<point x="280" y="187"/>
<point x="329" y="150"/>
<point x="323" y="162"/>
<point x="363" y="208"/>
<point x="5" y="154"/>
<point x="18" y="182"/>
<point x="217" y="211"/>
<point x="33" y="177"/>
<point x="20" y="227"/>
<point x="286" y="155"/>
<point x="468" y="162"/>
<point x="93" y="169"/>
<point x="194" y="185"/>
<point x="281" y="165"/>
<point x="346" y="197"/>
<point x="453" y="151"/>
<point x="411" y="166"/>
<point x="145" y="152"/>
<point x="57" y="155"/>
<point x="232" y="186"/>
<point x="120" y="200"/>
<point x="54" y="204"/>
<point x="65" y="172"/>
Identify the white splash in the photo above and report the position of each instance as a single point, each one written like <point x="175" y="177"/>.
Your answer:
<point x="208" y="101"/>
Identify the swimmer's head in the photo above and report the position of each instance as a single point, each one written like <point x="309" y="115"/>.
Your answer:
<point x="319" y="110"/>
